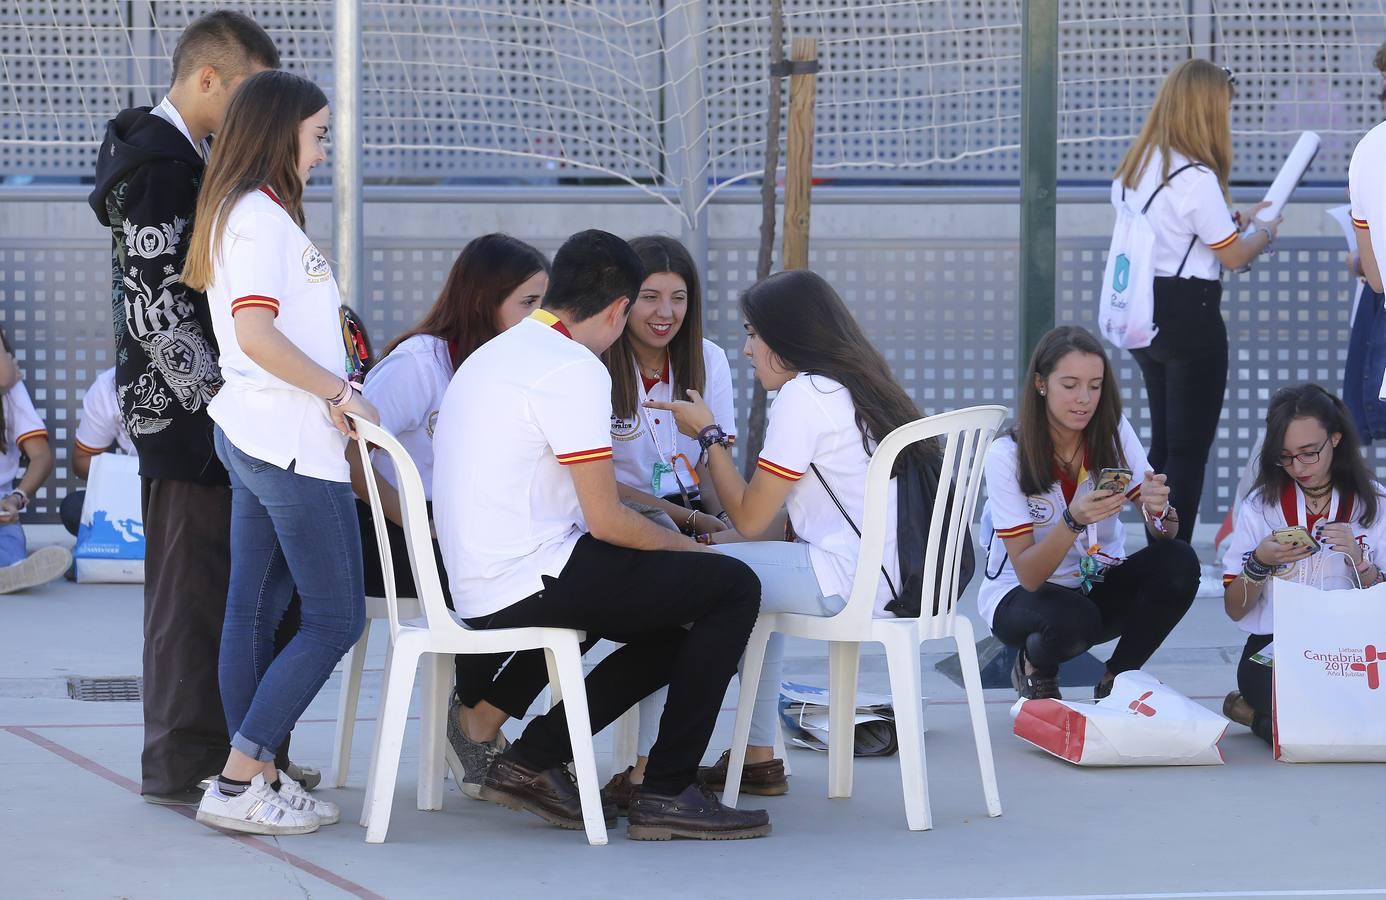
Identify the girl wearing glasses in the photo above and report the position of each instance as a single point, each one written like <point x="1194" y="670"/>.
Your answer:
<point x="1058" y="580"/>
<point x="1184" y="152"/>
<point x="1310" y="475"/>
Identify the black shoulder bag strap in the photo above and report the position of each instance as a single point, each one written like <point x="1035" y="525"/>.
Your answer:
<point x="1144" y="209"/>
<point x="842" y="509"/>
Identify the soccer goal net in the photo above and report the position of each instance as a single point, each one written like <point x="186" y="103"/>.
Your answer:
<point x="551" y="90"/>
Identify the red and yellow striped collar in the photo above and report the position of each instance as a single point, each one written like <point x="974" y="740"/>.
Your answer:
<point x="544" y="317"/>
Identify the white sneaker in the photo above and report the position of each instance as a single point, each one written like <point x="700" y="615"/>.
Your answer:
<point x="292" y="793"/>
<point x="257" y="810"/>
<point x="42" y="566"/>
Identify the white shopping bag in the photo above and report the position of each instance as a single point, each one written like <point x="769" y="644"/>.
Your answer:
<point x="1141" y="723"/>
<point x="1330" y="673"/>
<point x="110" y="540"/>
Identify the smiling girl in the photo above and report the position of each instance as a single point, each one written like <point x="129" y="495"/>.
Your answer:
<point x="1310" y="474"/>
<point x="1058" y="580"/>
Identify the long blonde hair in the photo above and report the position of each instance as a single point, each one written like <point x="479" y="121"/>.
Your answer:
<point x="256" y="147"/>
<point x="1191" y="116"/>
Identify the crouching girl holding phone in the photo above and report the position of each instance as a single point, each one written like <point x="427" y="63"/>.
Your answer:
<point x="281" y="432"/>
<point x="1058" y="580"/>
<point x="1312" y="515"/>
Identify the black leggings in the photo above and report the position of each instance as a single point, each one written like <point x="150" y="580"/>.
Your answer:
<point x="1140" y="600"/>
<point x="1254" y="681"/>
<point x="1185" y="372"/>
<point x="642" y="599"/>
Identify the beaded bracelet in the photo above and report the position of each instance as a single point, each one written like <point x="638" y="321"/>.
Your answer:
<point x="1072" y="523"/>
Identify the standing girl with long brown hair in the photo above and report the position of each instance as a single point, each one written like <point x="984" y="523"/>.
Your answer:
<point x="281" y="432"/>
<point x="1182" y="159"/>
<point x="1058" y="580"/>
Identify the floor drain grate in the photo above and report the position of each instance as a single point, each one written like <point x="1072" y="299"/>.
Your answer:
<point x="106" y="689"/>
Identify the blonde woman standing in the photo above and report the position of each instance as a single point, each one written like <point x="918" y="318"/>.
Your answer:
<point x="1185" y="152"/>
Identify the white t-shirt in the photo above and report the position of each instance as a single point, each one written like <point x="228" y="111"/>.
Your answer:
<point x="101" y="424"/>
<point x="1367" y="190"/>
<point x="652" y="436"/>
<point x="1190" y="208"/>
<point x="267" y="261"/>
<point x="1327" y="570"/>
<point x="813" y="421"/>
<point x="22" y="423"/>
<point x="1009" y="513"/>
<point x="407" y="387"/>
<point x="522" y="407"/>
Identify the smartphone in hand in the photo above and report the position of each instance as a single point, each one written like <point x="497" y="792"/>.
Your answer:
<point x="1116" y="480"/>
<point x="1295" y="536"/>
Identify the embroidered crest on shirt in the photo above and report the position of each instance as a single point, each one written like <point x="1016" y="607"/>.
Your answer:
<point x="1041" y="509"/>
<point x="625" y="429"/>
<point x="315" y="265"/>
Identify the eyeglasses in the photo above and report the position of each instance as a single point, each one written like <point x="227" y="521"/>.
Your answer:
<point x="1308" y="457"/>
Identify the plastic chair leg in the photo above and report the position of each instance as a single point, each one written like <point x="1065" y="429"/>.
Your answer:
<point x="353" y="664"/>
<point x="625" y="744"/>
<point x="390" y="743"/>
<point x="375" y="741"/>
<point x="566" y="662"/>
<point x="842" y="713"/>
<point x="433" y="709"/>
<point x="906" y="691"/>
<point x="976" y="705"/>
<point x="751" y="665"/>
<point x="780" y="749"/>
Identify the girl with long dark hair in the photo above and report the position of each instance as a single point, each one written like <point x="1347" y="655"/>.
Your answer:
<point x="1058" y="580"/>
<point x="281" y="432"/>
<point x="836" y="400"/>
<point x="494" y="284"/>
<point x="1310" y="474"/>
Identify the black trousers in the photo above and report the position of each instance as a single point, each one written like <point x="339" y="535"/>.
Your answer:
<point x="187" y="565"/>
<point x="1254" y="681"/>
<point x="1185" y="373"/>
<point x="643" y="599"/>
<point x="1140" y="601"/>
<point x="70" y="511"/>
<point x="473" y="673"/>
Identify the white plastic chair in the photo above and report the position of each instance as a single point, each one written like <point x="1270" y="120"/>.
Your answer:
<point x="967" y="434"/>
<point x="436" y="634"/>
<point x="353" y="666"/>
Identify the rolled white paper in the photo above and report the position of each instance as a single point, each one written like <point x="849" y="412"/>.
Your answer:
<point x="1290" y="174"/>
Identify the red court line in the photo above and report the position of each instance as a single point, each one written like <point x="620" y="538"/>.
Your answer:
<point x="254" y="843"/>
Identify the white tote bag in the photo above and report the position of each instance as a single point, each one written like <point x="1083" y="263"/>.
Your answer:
<point x="1127" y="311"/>
<point x="1142" y="722"/>
<point x="110" y="540"/>
<point x="1330" y="673"/>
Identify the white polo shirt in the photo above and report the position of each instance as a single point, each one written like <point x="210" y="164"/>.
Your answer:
<point x="101" y="424"/>
<point x="1009" y="513"/>
<point x="522" y="407"/>
<point x="813" y="422"/>
<point x="407" y="387"/>
<point x="1367" y="189"/>
<point x="267" y="261"/>
<point x="1328" y="570"/>
<point x="651" y="435"/>
<point x="1190" y="208"/>
<point x="22" y="423"/>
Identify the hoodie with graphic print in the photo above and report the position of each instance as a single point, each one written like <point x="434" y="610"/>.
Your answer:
<point x="147" y="178"/>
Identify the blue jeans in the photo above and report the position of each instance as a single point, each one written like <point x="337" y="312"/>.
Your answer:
<point x="13" y="547"/>
<point x="787" y="584"/>
<point x="287" y="530"/>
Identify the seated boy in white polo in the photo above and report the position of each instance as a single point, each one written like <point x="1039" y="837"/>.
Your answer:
<point x="534" y="534"/>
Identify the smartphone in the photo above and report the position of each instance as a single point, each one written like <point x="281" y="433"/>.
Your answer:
<point x="1295" y="536"/>
<point x="1115" y="480"/>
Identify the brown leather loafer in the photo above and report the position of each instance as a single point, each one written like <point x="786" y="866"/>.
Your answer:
<point x="618" y="791"/>
<point x="696" y="814"/>
<point x="552" y="795"/>
<point x="764" y="779"/>
<point x="1235" y="707"/>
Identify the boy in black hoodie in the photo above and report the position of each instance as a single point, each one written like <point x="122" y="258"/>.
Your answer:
<point x="147" y="178"/>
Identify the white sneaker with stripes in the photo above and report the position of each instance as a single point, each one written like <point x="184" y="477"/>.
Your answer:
<point x="294" y="794"/>
<point x="257" y="810"/>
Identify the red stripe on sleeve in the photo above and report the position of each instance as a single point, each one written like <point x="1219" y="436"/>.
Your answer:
<point x="778" y="470"/>
<point x="255" y="300"/>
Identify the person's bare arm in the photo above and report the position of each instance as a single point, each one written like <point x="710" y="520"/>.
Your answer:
<point x="610" y="521"/>
<point x="9" y="366"/>
<point x="702" y="523"/>
<point x="81" y="462"/>
<point x="389" y="496"/>
<point x="1366" y="254"/>
<point x="1035" y="562"/>
<point x="1247" y="247"/>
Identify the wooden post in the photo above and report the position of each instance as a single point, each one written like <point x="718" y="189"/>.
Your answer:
<point x="798" y="179"/>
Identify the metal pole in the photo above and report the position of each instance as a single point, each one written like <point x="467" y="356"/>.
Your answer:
<point x="348" y="215"/>
<point x="685" y="36"/>
<point x="1039" y="169"/>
